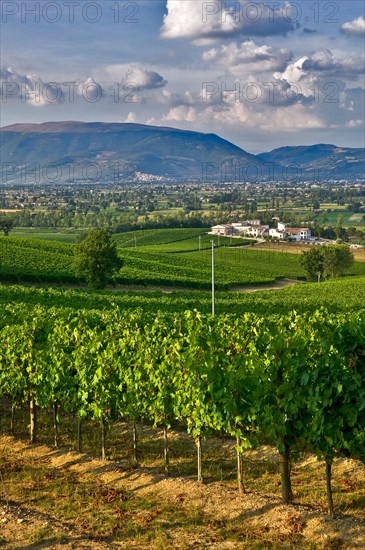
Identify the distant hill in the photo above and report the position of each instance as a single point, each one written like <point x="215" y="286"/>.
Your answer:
<point x="120" y="152"/>
<point x="71" y="152"/>
<point x="320" y="161"/>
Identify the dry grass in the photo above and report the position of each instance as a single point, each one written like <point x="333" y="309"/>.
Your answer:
<point x="61" y="499"/>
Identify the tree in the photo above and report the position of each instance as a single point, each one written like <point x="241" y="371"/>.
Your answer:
<point x="337" y="259"/>
<point x="6" y="225"/>
<point x="330" y="260"/>
<point x="97" y="259"/>
<point x="313" y="263"/>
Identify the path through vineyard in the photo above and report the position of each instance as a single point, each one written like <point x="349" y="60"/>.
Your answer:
<point x="257" y="513"/>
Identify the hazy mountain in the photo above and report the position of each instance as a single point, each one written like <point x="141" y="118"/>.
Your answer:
<point x="119" y="152"/>
<point x="68" y="152"/>
<point x="320" y="161"/>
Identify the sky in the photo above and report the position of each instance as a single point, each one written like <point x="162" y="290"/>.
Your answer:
<point x="261" y="74"/>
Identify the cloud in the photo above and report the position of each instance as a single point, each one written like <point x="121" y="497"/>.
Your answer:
<point x="321" y="66"/>
<point x="144" y="79"/>
<point x="205" y="22"/>
<point x="288" y="119"/>
<point x="181" y="113"/>
<point x="324" y="61"/>
<point x="355" y="27"/>
<point x="30" y="89"/>
<point x="355" y="123"/>
<point x="134" y="75"/>
<point x="90" y="90"/>
<point x="249" y="56"/>
<point x="264" y="118"/>
<point x="174" y="99"/>
<point x="132" y="117"/>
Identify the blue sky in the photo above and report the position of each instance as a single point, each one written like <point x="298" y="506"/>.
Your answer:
<point x="260" y="74"/>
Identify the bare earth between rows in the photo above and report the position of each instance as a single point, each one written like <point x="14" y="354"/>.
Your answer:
<point x="20" y="518"/>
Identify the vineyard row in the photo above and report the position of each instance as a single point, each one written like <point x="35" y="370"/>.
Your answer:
<point x="296" y="381"/>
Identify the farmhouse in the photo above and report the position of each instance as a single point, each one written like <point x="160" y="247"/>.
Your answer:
<point x="253" y="228"/>
<point x="283" y="231"/>
<point x="223" y="229"/>
<point x="299" y="233"/>
<point x="249" y="228"/>
<point x="257" y="231"/>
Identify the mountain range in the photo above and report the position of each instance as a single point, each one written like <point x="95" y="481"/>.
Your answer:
<point x="79" y="152"/>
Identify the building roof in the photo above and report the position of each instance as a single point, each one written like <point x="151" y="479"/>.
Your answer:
<point x="297" y="229"/>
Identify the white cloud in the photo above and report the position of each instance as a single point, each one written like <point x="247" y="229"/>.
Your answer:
<point x="29" y="88"/>
<point x="321" y="67"/>
<point x="355" y="123"/>
<point x="131" y="75"/>
<point x="144" y="79"/>
<point x="169" y="97"/>
<point x="205" y="22"/>
<point x="132" y="117"/>
<point x="181" y="113"/>
<point x="355" y="27"/>
<point x="249" y="56"/>
<point x="266" y="119"/>
<point x="90" y="90"/>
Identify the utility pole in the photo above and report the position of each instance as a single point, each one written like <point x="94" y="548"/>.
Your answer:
<point x="200" y="242"/>
<point x="213" y="293"/>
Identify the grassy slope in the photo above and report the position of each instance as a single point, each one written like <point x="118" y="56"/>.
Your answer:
<point x="40" y="260"/>
<point x="341" y="295"/>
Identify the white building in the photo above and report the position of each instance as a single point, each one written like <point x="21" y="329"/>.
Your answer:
<point x="223" y="229"/>
<point x="299" y="233"/>
<point x="257" y="231"/>
<point x="283" y="231"/>
<point x="277" y="234"/>
<point x="248" y="228"/>
<point x="253" y="228"/>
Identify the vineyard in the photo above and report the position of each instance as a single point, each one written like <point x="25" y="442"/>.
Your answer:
<point x="294" y="381"/>
<point x="149" y="378"/>
<point x="176" y="240"/>
<point x="335" y="295"/>
<point x="45" y="261"/>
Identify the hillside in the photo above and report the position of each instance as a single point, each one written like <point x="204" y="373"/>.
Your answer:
<point x="72" y="152"/>
<point x="119" y="152"/>
<point x="328" y="161"/>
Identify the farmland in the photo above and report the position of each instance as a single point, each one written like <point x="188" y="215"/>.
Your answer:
<point x="119" y="373"/>
<point x="156" y="257"/>
<point x="335" y="296"/>
<point x="228" y="383"/>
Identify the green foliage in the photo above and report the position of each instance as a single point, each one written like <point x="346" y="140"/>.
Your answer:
<point x="297" y="381"/>
<point x="96" y="258"/>
<point x="46" y="261"/>
<point x="337" y="259"/>
<point x="313" y="263"/>
<point x="334" y="261"/>
<point x="337" y="295"/>
<point x="6" y="225"/>
<point x="36" y="260"/>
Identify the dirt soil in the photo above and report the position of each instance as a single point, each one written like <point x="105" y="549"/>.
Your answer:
<point x="282" y="283"/>
<point x="20" y="519"/>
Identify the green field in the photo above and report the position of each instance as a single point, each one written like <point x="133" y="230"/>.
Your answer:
<point x="349" y="219"/>
<point x="336" y="296"/>
<point x="163" y="257"/>
<point x="46" y="234"/>
<point x="175" y="240"/>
